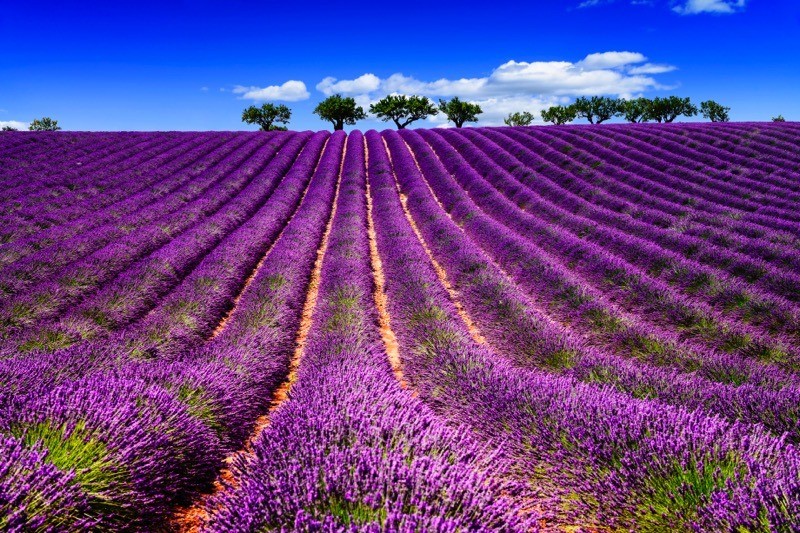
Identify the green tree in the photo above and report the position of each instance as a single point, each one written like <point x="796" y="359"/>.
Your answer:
<point x="267" y="115"/>
<point x="669" y="108"/>
<point x="402" y="109"/>
<point x="9" y="128"/>
<point x="460" y="112"/>
<point x="339" y="111"/>
<point x="519" y="119"/>
<point x="559" y="114"/>
<point x="596" y="109"/>
<point x="634" y="110"/>
<point x="779" y="118"/>
<point x="714" y="112"/>
<point x="44" y="124"/>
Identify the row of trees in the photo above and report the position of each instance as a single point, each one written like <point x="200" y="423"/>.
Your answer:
<point x="404" y="110"/>
<point x="39" y="124"/>
<point x="341" y="111"/>
<point x="598" y="109"/>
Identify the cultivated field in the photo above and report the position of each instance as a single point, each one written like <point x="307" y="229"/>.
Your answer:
<point x="561" y="328"/>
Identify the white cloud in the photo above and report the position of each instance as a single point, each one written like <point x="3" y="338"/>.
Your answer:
<point x="16" y="124"/>
<point x="693" y="7"/>
<point x="517" y="85"/>
<point x="607" y="60"/>
<point x="291" y="91"/>
<point x="651" y="68"/>
<point x="204" y="89"/>
<point x="365" y="83"/>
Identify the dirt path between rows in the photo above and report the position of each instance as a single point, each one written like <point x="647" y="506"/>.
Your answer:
<point x="192" y="519"/>
<point x="226" y="317"/>
<point x="472" y="328"/>
<point x="381" y="302"/>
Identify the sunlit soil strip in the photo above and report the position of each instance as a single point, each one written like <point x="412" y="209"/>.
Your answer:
<point x="191" y="520"/>
<point x="530" y="300"/>
<point x="533" y="505"/>
<point x="440" y="272"/>
<point x="224" y="321"/>
<point x="387" y="334"/>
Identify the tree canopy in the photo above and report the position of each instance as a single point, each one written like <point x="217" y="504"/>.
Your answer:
<point x="339" y="110"/>
<point x="523" y="118"/>
<point x="714" y="111"/>
<point x="459" y="112"/>
<point x="634" y="110"/>
<point x="559" y="114"/>
<point x="44" y="124"/>
<point x="402" y="109"/>
<point x="267" y="115"/>
<point x="779" y="118"/>
<point x="669" y="108"/>
<point x="596" y="109"/>
<point x="9" y="128"/>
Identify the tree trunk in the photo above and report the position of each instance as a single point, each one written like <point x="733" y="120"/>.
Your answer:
<point x="338" y="125"/>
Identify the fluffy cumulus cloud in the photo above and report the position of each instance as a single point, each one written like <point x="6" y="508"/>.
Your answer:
<point x="693" y="7"/>
<point x="362" y="85"/>
<point x="291" y="91"/>
<point x="517" y="85"/>
<point x="16" y="124"/>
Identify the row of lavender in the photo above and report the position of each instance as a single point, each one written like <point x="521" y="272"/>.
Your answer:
<point x="116" y="434"/>
<point x="351" y="449"/>
<point x="589" y="455"/>
<point x="665" y="466"/>
<point x="117" y="408"/>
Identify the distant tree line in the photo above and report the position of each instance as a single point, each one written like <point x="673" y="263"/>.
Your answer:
<point x="340" y="111"/>
<point x="598" y="109"/>
<point x="403" y="110"/>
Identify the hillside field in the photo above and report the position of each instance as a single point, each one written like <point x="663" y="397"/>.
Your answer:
<point x="566" y="328"/>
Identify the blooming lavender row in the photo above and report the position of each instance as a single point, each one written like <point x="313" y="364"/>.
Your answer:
<point x="686" y="178"/>
<point x="31" y="153"/>
<point x="567" y="296"/>
<point x="680" y="189"/>
<point x="622" y="177"/>
<point x="626" y="461"/>
<point x="77" y="279"/>
<point x="190" y="313"/>
<point x="739" y="158"/>
<point x="514" y="327"/>
<point x="650" y="298"/>
<point x="143" y="437"/>
<point x="629" y="203"/>
<point x="137" y="289"/>
<point x="82" y="186"/>
<point x="729" y="265"/>
<point x="82" y="237"/>
<point x="770" y="140"/>
<point x="539" y="393"/>
<point x="124" y="198"/>
<point x="776" y="251"/>
<point x="350" y="449"/>
<point x="731" y="296"/>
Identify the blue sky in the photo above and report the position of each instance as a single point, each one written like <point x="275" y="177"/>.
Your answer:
<point x="195" y="64"/>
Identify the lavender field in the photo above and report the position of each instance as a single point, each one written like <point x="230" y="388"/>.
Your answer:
<point x="567" y="328"/>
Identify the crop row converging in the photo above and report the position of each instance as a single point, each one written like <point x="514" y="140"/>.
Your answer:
<point x="505" y="329"/>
